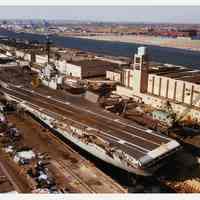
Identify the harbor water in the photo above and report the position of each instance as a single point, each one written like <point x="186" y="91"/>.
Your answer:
<point x="158" y="54"/>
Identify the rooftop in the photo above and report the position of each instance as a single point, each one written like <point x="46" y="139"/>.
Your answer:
<point x="179" y="73"/>
<point x="95" y="63"/>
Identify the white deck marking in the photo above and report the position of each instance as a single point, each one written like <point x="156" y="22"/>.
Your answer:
<point x="121" y="142"/>
<point x="103" y="116"/>
<point x="139" y="148"/>
<point x="132" y="135"/>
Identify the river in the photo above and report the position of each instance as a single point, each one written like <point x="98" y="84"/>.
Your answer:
<point x="158" y="54"/>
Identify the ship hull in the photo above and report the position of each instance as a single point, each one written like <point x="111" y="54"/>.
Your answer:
<point x="92" y="148"/>
<point x="99" y="153"/>
<point x="86" y="138"/>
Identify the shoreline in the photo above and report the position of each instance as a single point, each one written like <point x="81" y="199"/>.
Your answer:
<point x="149" y="40"/>
<point x="176" y="56"/>
<point x="176" y="43"/>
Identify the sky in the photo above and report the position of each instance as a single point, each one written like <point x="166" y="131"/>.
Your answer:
<point x="172" y="14"/>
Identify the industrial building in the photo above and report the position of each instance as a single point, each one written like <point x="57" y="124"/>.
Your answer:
<point x="89" y="68"/>
<point x="157" y="85"/>
<point x="78" y="68"/>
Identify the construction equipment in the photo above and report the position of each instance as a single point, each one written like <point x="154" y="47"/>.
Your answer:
<point x="35" y="81"/>
<point x="177" y="119"/>
<point x="172" y="114"/>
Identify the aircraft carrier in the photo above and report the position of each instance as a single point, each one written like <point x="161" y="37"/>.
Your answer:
<point x="109" y="137"/>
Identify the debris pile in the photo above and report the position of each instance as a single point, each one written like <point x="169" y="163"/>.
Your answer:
<point x="9" y="149"/>
<point x="24" y="156"/>
<point x="43" y="177"/>
<point x="135" y="110"/>
<point x="114" y="103"/>
<point x="13" y="133"/>
<point x="32" y="163"/>
<point x="188" y="186"/>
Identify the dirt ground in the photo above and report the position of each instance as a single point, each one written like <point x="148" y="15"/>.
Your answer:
<point x="72" y="173"/>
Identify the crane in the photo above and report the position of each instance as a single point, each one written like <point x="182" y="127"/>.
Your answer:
<point x="177" y="119"/>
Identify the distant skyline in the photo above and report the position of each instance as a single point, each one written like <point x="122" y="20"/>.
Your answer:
<point x="154" y="14"/>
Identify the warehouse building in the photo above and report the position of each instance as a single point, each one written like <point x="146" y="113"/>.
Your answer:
<point x="78" y="68"/>
<point x="89" y="68"/>
<point x="160" y="84"/>
<point x="182" y="87"/>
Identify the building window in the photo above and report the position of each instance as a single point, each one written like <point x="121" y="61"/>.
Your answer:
<point x="137" y="67"/>
<point x="137" y="60"/>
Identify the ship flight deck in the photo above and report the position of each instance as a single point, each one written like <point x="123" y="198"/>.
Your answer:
<point x="137" y="141"/>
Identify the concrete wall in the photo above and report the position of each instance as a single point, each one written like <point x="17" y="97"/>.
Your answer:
<point x="19" y="54"/>
<point x="123" y="91"/>
<point x="182" y="110"/>
<point x="150" y="84"/>
<point x="41" y="59"/>
<point x="180" y="91"/>
<point x="136" y="81"/>
<point x="61" y="66"/>
<point x="124" y="77"/>
<point x="25" y="56"/>
<point x="196" y="95"/>
<point x="177" y="90"/>
<point x="156" y="85"/>
<point x="113" y="76"/>
<point x="128" y="81"/>
<point x="186" y="93"/>
<point x="74" y="70"/>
